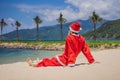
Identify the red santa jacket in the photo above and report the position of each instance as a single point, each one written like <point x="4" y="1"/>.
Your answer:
<point x="73" y="46"/>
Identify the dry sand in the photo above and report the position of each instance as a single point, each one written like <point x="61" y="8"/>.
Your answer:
<point x="108" y="69"/>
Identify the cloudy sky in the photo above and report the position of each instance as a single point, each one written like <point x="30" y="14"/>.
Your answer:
<point x="48" y="10"/>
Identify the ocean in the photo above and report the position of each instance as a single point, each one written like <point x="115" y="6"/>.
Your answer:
<point x="20" y="55"/>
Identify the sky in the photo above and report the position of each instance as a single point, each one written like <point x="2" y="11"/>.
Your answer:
<point x="48" y="10"/>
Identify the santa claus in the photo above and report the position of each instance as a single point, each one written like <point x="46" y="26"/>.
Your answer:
<point x="74" y="44"/>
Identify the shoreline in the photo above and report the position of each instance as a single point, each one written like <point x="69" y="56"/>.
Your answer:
<point x="93" y="51"/>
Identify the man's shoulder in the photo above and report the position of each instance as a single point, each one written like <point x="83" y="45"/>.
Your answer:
<point x="71" y="36"/>
<point x="81" y="37"/>
<point x="68" y="37"/>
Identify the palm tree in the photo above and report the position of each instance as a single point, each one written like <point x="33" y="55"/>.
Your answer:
<point x="17" y="24"/>
<point x="61" y="20"/>
<point x="2" y="24"/>
<point x="37" y="21"/>
<point x="95" y="18"/>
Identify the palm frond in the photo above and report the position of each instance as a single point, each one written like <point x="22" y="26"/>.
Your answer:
<point x="37" y="20"/>
<point x="18" y="24"/>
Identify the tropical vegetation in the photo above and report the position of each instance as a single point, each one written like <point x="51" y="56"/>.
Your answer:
<point x="108" y="31"/>
<point x="37" y="21"/>
<point x="2" y="25"/>
<point x="95" y="18"/>
<point x="110" y="27"/>
<point x="17" y="24"/>
<point x="61" y="20"/>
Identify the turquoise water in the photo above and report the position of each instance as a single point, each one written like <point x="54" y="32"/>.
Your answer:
<point x="20" y="55"/>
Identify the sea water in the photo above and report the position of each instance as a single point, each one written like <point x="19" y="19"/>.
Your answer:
<point x="20" y="55"/>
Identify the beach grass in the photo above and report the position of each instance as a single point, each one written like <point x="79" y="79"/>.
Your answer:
<point x="104" y="44"/>
<point x="57" y="44"/>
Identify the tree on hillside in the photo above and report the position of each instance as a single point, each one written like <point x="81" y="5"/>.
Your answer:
<point x="2" y="25"/>
<point x="61" y="20"/>
<point x="17" y="24"/>
<point x="37" y="21"/>
<point x="95" y="18"/>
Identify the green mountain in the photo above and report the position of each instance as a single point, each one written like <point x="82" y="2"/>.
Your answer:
<point x="48" y="32"/>
<point x="108" y="31"/>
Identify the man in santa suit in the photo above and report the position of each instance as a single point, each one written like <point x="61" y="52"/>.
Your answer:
<point x="74" y="44"/>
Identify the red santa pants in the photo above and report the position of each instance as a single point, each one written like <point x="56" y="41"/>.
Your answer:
<point x="49" y="62"/>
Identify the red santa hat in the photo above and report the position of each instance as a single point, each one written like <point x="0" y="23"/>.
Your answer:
<point x="75" y="27"/>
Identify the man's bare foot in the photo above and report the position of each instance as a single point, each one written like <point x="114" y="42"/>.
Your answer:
<point x="37" y="60"/>
<point x="29" y="61"/>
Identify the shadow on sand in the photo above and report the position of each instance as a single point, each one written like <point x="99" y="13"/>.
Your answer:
<point x="82" y="64"/>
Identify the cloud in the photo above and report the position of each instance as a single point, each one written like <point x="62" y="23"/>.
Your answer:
<point x="49" y="13"/>
<point x="75" y="9"/>
<point x="108" y="9"/>
<point x="10" y="21"/>
<point x="9" y="27"/>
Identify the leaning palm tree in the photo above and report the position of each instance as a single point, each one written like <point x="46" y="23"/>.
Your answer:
<point x="37" y="21"/>
<point x="61" y="20"/>
<point x="17" y="24"/>
<point x="2" y="24"/>
<point x="95" y="18"/>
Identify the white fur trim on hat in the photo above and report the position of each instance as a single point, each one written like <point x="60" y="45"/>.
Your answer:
<point x="74" y="30"/>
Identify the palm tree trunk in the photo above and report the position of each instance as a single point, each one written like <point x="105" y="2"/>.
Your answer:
<point x="37" y="33"/>
<point x="94" y="31"/>
<point x="17" y="34"/>
<point x="1" y="34"/>
<point x="61" y="31"/>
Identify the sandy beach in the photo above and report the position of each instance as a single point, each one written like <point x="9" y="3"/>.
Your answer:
<point x="108" y="69"/>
